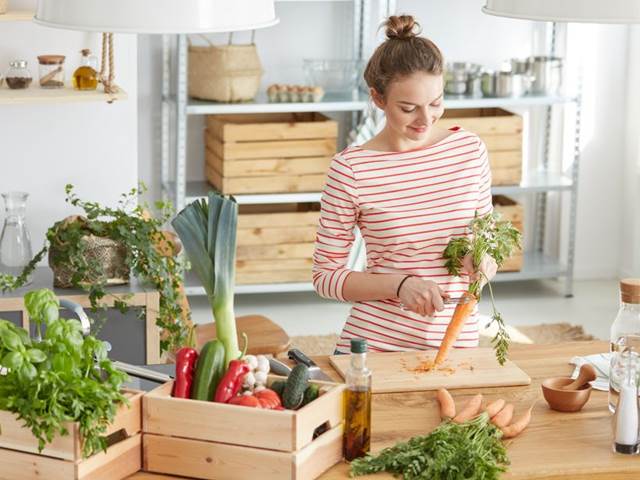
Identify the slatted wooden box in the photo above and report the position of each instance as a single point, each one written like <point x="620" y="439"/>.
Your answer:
<point x="502" y="133"/>
<point x="514" y="212"/>
<point x="275" y="243"/>
<point x="269" y="152"/>
<point x="218" y="441"/>
<point x="62" y="458"/>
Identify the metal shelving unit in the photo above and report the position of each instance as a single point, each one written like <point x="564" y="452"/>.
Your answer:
<point x="537" y="264"/>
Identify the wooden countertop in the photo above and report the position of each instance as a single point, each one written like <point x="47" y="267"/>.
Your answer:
<point x="554" y="446"/>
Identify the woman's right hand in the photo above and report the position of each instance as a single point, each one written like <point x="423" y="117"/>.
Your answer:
<point x="423" y="297"/>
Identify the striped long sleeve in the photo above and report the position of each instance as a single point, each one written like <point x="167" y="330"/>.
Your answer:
<point x="334" y="238"/>
<point x="484" y="197"/>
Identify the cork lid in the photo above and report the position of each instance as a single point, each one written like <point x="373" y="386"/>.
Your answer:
<point x="51" y="59"/>
<point x="630" y="290"/>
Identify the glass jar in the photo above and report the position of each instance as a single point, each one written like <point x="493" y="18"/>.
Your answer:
<point x="51" y="71"/>
<point x="86" y="75"/>
<point x="625" y="338"/>
<point x="18" y="76"/>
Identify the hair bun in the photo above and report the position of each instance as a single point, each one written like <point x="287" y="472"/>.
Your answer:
<point x="402" y="27"/>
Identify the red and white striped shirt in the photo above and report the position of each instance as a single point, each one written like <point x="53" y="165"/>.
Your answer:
<point x="408" y="205"/>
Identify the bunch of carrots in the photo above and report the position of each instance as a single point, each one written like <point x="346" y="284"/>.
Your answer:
<point x="489" y="236"/>
<point x="500" y="413"/>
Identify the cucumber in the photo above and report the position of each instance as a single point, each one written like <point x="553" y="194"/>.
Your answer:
<point x="297" y="383"/>
<point x="278" y="387"/>
<point x="310" y="394"/>
<point x="210" y="368"/>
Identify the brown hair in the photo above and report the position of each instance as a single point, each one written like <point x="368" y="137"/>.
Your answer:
<point x="401" y="54"/>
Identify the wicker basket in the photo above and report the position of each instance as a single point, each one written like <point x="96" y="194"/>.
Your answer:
<point x="225" y="73"/>
<point x="109" y="253"/>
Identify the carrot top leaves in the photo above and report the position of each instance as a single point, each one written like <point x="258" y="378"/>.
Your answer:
<point x="489" y="235"/>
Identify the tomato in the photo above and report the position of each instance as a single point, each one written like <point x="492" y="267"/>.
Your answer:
<point x="245" y="401"/>
<point x="268" y="399"/>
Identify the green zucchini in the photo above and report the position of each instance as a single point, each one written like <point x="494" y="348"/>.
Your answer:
<point x="310" y="394"/>
<point x="278" y="386"/>
<point x="210" y="368"/>
<point x="297" y="383"/>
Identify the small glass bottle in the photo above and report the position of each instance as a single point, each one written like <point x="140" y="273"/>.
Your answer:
<point x="625" y="338"/>
<point x="86" y="75"/>
<point x="15" y="242"/>
<point x="51" y="71"/>
<point x="625" y="419"/>
<point x="357" y="430"/>
<point x="18" y="76"/>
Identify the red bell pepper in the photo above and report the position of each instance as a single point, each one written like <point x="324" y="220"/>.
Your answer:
<point x="185" y="365"/>
<point x="231" y="382"/>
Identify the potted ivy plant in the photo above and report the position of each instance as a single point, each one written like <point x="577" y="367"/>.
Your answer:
<point x="105" y="246"/>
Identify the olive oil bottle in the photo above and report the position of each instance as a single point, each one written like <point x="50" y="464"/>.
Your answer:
<point x="86" y="75"/>
<point x="357" y="431"/>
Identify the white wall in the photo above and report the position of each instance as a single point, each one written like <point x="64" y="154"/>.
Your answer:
<point x="43" y="147"/>
<point x="463" y="32"/>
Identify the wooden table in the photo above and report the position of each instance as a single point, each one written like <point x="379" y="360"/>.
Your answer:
<point x="554" y="446"/>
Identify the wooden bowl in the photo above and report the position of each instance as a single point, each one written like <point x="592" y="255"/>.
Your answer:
<point x="564" y="400"/>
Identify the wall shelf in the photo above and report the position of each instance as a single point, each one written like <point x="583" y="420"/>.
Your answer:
<point x="17" y="16"/>
<point x="37" y="95"/>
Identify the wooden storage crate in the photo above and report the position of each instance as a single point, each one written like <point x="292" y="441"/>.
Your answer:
<point x="275" y="243"/>
<point x="269" y="152"/>
<point x="501" y="131"/>
<point x="514" y="212"/>
<point x="218" y="441"/>
<point x="62" y="458"/>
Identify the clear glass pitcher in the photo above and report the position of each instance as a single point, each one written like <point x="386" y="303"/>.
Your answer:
<point x="15" y="242"/>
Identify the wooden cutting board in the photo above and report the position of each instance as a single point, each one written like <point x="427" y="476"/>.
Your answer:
<point x="465" y="368"/>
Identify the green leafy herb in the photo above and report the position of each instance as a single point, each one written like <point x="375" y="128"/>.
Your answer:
<point x="208" y="231"/>
<point x="131" y="226"/>
<point x="466" y="451"/>
<point x="489" y="235"/>
<point x="64" y="377"/>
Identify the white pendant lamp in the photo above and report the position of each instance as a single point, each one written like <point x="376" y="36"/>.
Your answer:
<point x="587" y="11"/>
<point x="156" y="16"/>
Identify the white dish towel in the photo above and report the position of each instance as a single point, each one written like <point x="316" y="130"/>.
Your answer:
<point x="600" y="362"/>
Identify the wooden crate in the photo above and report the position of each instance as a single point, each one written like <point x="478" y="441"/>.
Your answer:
<point x="275" y="243"/>
<point x="62" y="458"/>
<point x="514" y="212"/>
<point x="501" y="131"/>
<point x="269" y="153"/>
<point x="218" y="441"/>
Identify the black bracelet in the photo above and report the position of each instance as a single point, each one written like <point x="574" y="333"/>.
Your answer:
<point x="400" y="286"/>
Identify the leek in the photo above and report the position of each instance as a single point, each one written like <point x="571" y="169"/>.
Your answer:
<point x="207" y="230"/>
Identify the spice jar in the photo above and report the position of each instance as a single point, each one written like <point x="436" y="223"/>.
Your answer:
<point x="51" y="71"/>
<point x="86" y="75"/>
<point x="18" y="75"/>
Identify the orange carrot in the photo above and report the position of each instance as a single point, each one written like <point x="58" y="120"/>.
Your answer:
<point x="494" y="407"/>
<point x="518" y="426"/>
<point x="459" y="318"/>
<point x="503" y="418"/>
<point x="470" y="410"/>
<point x="447" y="405"/>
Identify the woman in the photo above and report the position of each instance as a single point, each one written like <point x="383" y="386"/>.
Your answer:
<point x="410" y="189"/>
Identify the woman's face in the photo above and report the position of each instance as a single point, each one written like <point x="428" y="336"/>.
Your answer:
<point x="412" y="105"/>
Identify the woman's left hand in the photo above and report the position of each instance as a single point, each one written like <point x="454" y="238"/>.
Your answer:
<point x="485" y="271"/>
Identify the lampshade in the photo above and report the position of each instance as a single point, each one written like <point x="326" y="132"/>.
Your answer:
<point x="156" y="16"/>
<point x="589" y="11"/>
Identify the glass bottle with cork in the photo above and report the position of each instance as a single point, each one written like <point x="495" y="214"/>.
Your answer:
<point x="357" y="431"/>
<point x="625" y="339"/>
<point x="86" y="75"/>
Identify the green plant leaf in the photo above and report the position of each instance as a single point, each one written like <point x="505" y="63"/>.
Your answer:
<point x="36" y="356"/>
